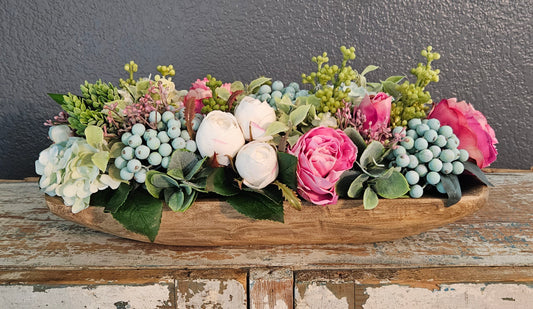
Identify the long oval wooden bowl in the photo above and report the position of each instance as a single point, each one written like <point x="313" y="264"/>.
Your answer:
<point x="215" y="223"/>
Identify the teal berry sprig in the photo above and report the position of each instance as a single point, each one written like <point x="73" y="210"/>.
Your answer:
<point x="328" y="81"/>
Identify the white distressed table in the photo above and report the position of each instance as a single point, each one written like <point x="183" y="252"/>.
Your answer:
<point x="482" y="261"/>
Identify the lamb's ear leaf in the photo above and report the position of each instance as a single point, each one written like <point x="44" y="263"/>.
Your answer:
<point x="453" y="188"/>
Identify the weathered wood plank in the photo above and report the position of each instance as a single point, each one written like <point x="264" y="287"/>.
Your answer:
<point x="500" y="234"/>
<point x="320" y="294"/>
<point x="216" y="289"/>
<point x="271" y="288"/>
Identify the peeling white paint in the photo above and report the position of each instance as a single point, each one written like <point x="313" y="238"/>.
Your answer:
<point x="319" y="296"/>
<point x="214" y="294"/>
<point x="486" y="296"/>
<point x="73" y="297"/>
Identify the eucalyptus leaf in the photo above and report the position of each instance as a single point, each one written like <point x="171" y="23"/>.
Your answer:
<point x="356" y="138"/>
<point x="342" y="185"/>
<point x="153" y="190"/>
<point x="175" y="201"/>
<point x="452" y="186"/>
<point x="192" y="169"/>
<point x="180" y="159"/>
<point x="370" y="199"/>
<point x="163" y="181"/>
<point x="176" y="174"/>
<point x="393" y="186"/>
<point x="373" y="152"/>
<point x="356" y="187"/>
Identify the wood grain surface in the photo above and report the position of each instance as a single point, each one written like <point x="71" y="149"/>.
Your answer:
<point x="215" y="223"/>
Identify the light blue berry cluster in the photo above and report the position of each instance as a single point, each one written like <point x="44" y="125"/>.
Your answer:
<point x="146" y="147"/>
<point x="277" y="90"/>
<point x="427" y="152"/>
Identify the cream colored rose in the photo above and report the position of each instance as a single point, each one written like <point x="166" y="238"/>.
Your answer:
<point x="257" y="164"/>
<point x="219" y="133"/>
<point x="254" y="117"/>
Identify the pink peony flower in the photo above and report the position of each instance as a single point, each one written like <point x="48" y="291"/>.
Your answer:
<point x="471" y="127"/>
<point x="323" y="154"/>
<point x="200" y="91"/>
<point x="376" y="110"/>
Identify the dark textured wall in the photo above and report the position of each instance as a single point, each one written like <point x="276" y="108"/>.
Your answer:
<point x="53" y="46"/>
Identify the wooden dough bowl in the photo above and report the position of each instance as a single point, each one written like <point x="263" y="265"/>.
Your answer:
<point x="212" y="222"/>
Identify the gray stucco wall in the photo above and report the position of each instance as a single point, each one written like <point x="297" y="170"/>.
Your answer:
<point x="53" y="46"/>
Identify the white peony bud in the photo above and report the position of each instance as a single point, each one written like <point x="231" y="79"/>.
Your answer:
<point x="219" y="133"/>
<point x="60" y="133"/>
<point x="257" y="164"/>
<point x="255" y="116"/>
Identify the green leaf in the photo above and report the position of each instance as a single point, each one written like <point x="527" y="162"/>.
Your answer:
<point x="153" y="190"/>
<point x="114" y="172"/>
<point x="395" y="79"/>
<point x="369" y="69"/>
<point x="299" y="114"/>
<point x="370" y="199"/>
<point x="219" y="183"/>
<point x="163" y="181"/>
<point x="100" y="159"/>
<point x="356" y="138"/>
<point x="256" y="83"/>
<point x="342" y="185"/>
<point x="453" y="188"/>
<point x="287" y="164"/>
<point x="257" y="206"/>
<point x="284" y="105"/>
<point x="118" y="198"/>
<point x="314" y="100"/>
<point x="222" y="93"/>
<point x="391" y="88"/>
<point x="176" y="174"/>
<point x="141" y="214"/>
<point x="393" y="186"/>
<point x="371" y="154"/>
<point x="236" y="86"/>
<point x="116" y="150"/>
<point x="94" y="136"/>
<point x="59" y="98"/>
<point x="290" y="196"/>
<point x="356" y="187"/>
<point x="275" y="128"/>
<point x="193" y="169"/>
<point x="175" y="201"/>
<point x="181" y="159"/>
<point x="477" y="172"/>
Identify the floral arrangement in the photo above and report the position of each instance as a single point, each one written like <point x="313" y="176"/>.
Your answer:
<point x="135" y="148"/>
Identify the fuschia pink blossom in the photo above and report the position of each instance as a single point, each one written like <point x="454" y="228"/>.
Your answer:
<point x="323" y="155"/>
<point x="200" y="91"/>
<point x="471" y="127"/>
<point x="376" y="109"/>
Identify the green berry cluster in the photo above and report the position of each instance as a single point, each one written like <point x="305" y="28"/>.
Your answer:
<point x="87" y="109"/>
<point x="131" y="68"/>
<point x="214" y="102"/>
<point x="328" y="81"/>
<point x="414" y="99"/>
<point x="166" y="70"/>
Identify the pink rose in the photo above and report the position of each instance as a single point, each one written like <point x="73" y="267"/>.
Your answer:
<point x="323" y="154"/>
<point x="471" y="127"/>
<point x="376" y="110"/>
<point x="200" y="91"/>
